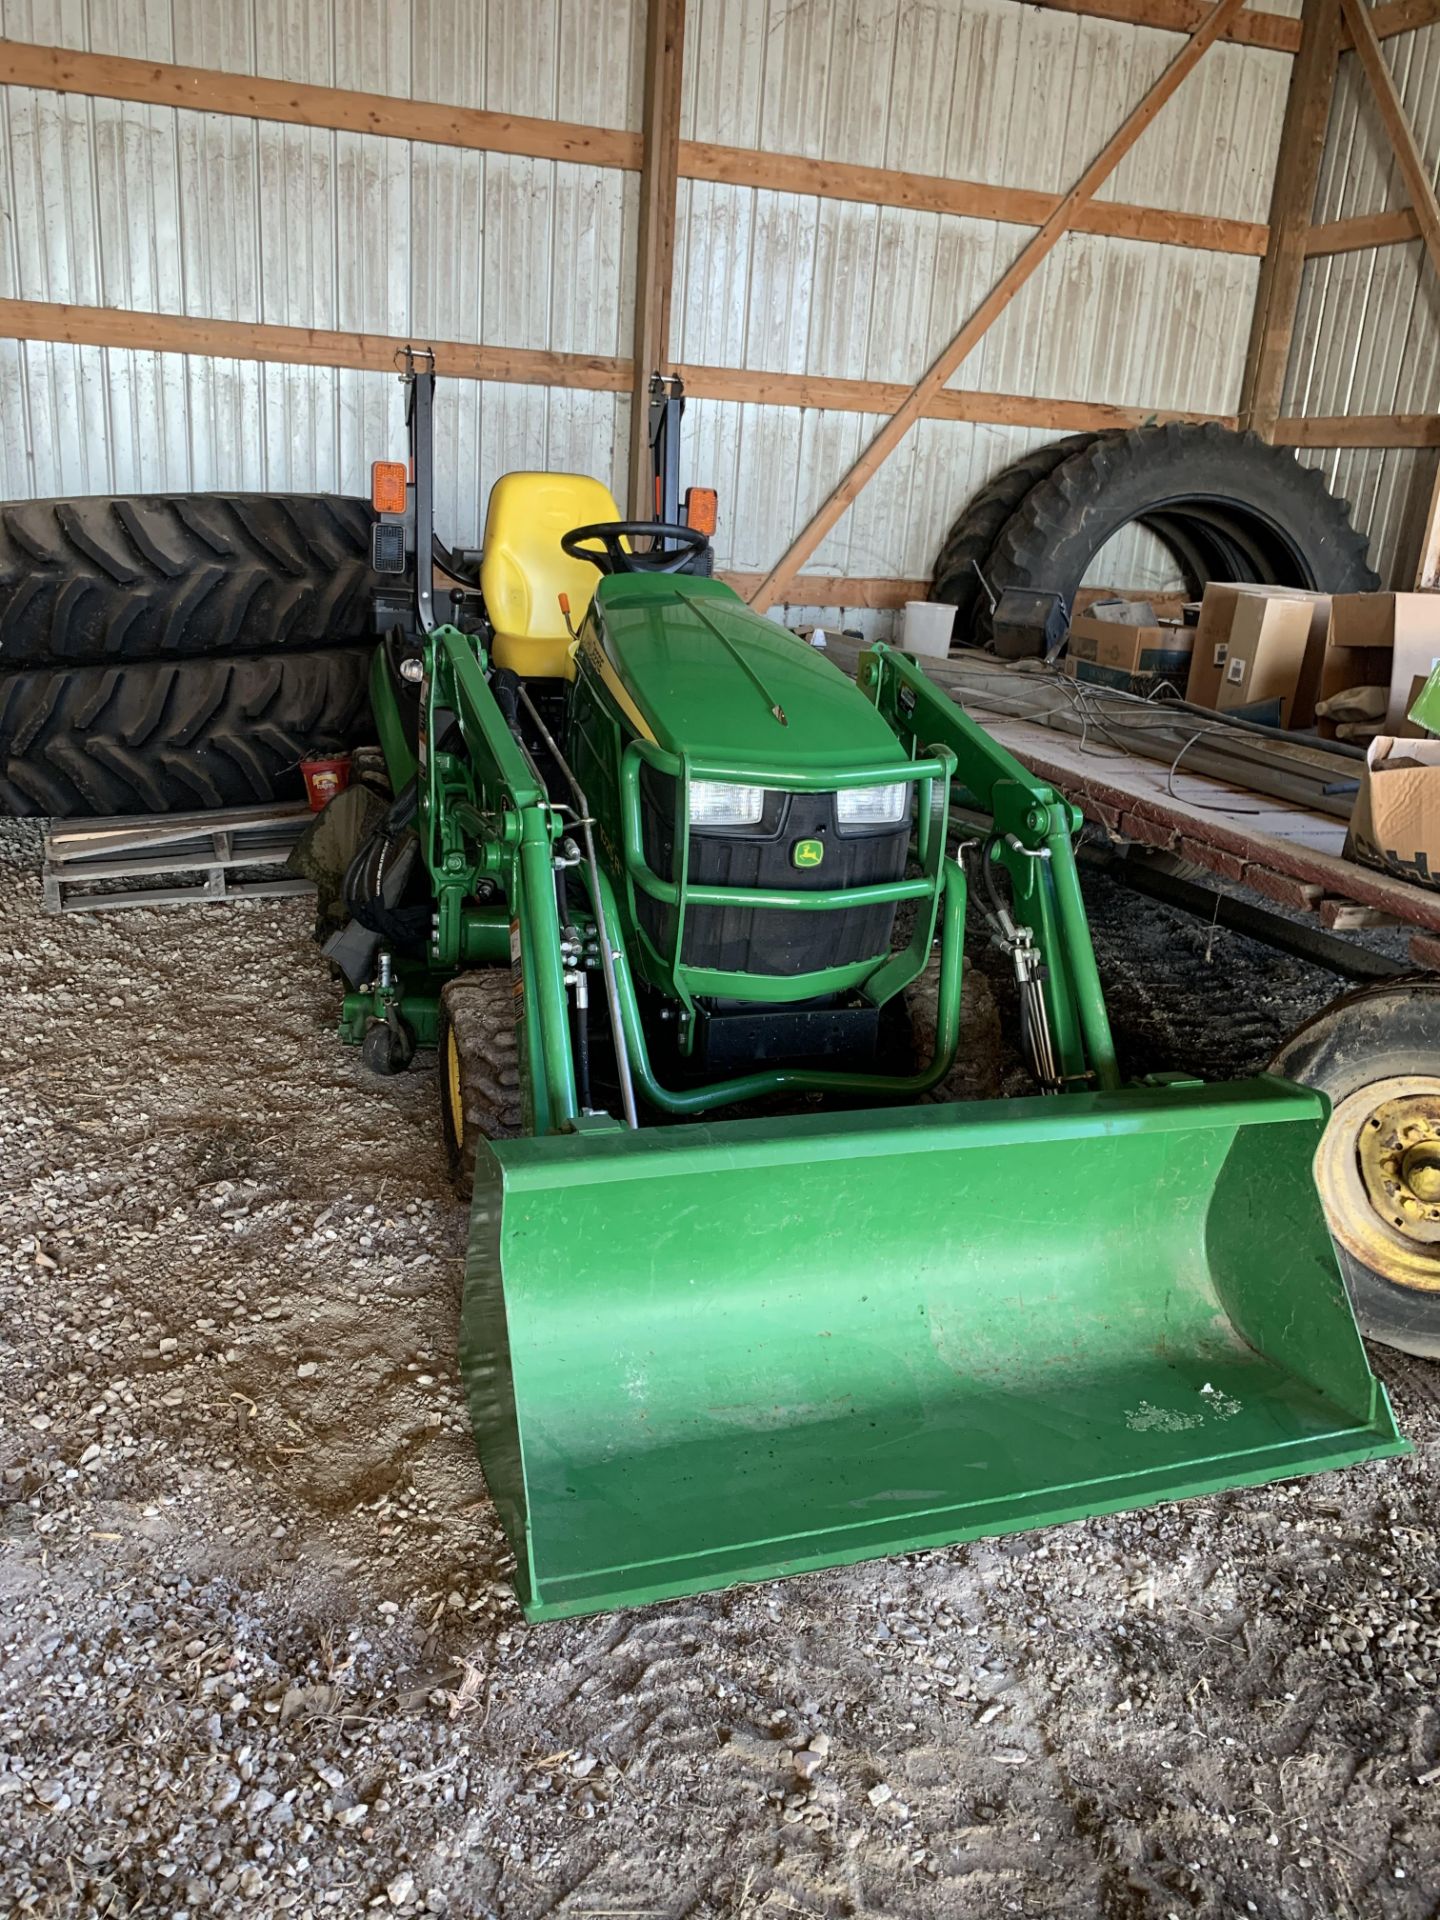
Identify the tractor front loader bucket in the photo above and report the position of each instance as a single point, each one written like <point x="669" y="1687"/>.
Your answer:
<point x="716" y="1353"/>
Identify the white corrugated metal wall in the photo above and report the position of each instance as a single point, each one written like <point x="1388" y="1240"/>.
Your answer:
<point x="1367" y="335"/>
<point x="803" y="285"/>
<point x="107" y="203"/>
<point x="111" y="204"/>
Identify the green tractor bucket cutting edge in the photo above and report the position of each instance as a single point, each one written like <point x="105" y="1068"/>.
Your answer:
<point x="653" y="860"/>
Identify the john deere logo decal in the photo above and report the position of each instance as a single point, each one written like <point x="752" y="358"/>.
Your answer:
<point x="808" y="853"/>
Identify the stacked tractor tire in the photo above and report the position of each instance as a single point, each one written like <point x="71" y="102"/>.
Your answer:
<point x="1225" y="505"/>
<point x="168" y="652"/>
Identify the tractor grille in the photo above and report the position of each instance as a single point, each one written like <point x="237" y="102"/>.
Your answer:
<point x="765" y="941"/>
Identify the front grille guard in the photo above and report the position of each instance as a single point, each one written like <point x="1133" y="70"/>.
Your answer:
<point x="879" y="979"/>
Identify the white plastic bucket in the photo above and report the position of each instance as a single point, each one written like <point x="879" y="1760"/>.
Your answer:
<point x="928" y="626"/>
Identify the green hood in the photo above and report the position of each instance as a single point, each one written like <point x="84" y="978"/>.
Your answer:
<point x="721" y="683"/>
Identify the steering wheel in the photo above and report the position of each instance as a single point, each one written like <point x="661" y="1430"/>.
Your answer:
<point x="581" y="543"/>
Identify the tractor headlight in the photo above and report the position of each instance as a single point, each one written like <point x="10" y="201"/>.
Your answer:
<point x="872" y="806"/>
<point x="725" y="803"/>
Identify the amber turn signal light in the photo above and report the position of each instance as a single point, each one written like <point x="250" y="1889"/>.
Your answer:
<point x="702" y="507"/>
<point x="388" y="480"/>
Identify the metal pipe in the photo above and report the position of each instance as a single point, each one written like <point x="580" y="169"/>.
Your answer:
<point x="1080" y="956"/>
<point x="607" y="956"/>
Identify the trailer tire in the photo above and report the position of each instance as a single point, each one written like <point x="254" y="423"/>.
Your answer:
<point x="1282" y="514"/>
<point x="170" y="576"/>
<point x="968" y="543"/>
<point x="1376" y="1054"/>
<point x="479" y="1068"/>
<point x="158" y="738"/>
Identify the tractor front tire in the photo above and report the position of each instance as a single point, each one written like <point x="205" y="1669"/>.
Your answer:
<point x="479" y="1068"/>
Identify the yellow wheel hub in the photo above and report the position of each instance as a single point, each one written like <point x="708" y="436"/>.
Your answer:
<point x="1378" y="1170"/>
<point x="454" y="1097"/>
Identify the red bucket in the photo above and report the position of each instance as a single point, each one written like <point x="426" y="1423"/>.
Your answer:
<point x="324" y="779"/>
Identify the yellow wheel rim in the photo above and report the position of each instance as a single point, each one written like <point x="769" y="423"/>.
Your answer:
<point x="454" y="1095"/>
<point x="1378" y="1171"/>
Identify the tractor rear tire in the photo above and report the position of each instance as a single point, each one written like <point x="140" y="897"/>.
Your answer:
<point x="479" y="1068"/>
<point x="1265" y="506"/>
<point x="968" y="543"/>
<point x="197" y="734"/>
<point x="172" y="576"/>
<point x="1376" y="1054"/>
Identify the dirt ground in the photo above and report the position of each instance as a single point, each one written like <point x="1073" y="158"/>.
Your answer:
<point x="258" y="1653"/>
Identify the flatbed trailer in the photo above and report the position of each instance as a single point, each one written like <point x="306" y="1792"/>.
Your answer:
<point x="1287" y="850"/>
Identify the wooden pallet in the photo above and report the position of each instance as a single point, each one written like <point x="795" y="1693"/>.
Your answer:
<point x="212" y="849"/>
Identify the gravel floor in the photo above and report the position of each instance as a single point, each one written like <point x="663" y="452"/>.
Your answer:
<point x="257" y="1649"/>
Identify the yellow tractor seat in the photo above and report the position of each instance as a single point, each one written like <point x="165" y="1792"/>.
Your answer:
<point x="524" y="571"/>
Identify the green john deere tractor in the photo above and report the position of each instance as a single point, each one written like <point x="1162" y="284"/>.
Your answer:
<point x="740" y="1300"/>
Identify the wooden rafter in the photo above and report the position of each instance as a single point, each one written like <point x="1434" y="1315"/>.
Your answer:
<point x="970" y="199"/>
<point x="1358" y="430"/>
<point x="1423" y="202"/>
<point x="1031" y="257"/>
<point x="158" y="83"/>
<point x="1363" y="230"/>
<point x="830" y="393"/>
<point x="837" y="590"/>
<point x="106" y="76"/>
<point x="655" y="263"/>
<point x="128" y="329"/>
<point x="124" y="328"/>
<point x="1251" y="28"/>
<point x="1292" y="201"/>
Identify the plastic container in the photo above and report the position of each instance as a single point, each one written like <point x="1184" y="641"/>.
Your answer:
<point x="324" y="779"/>
<point x="928" y="627"/>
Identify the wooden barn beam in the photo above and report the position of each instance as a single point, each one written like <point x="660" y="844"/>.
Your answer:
<point x="1292" y="201"/>
<point x="1362" y="230"/>
<point x="655" y="264"/>
<point x="1423" y="202"/>
<point x="158" y="83"/>
<point x="153" y="83"/>
<point x="1358" y="430"/>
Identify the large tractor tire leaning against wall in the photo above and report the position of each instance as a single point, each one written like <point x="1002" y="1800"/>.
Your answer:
<point x="968" y="543"/>
<point x="1376" y="1054"/>
<point x="170" y="737"/>
<point x="170" y="576"/>
<point x="1230" y="506"/>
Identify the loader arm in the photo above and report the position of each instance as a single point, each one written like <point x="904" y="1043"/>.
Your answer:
<point x="1031" y="838"/>
<point x="484" y="816"/>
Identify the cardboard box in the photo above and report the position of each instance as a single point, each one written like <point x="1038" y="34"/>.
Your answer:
<point x="1403" y="626"/>
<point x="1396" y="821"/>
<point x="1227" y="605"/>
<point x="1113" y="653"/>
<point x="1332" y="667"/>
<point x="1270" y="637"/>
